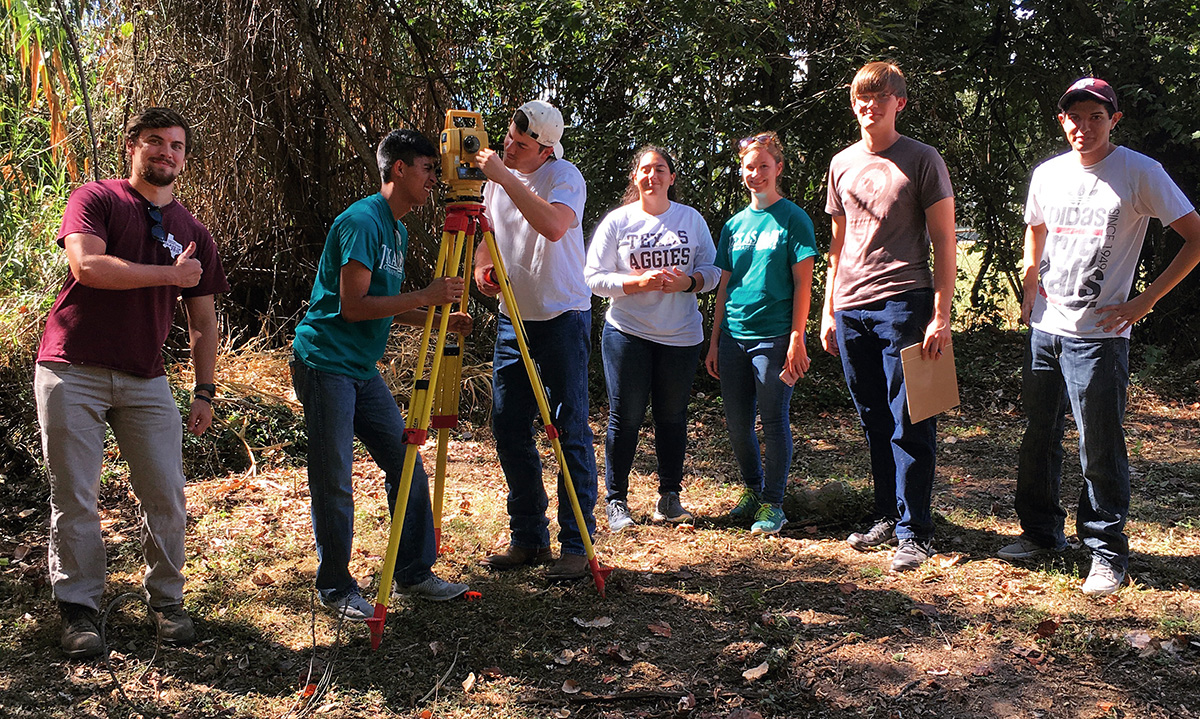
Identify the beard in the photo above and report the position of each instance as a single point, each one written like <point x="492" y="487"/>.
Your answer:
<point x="158" y="176"/>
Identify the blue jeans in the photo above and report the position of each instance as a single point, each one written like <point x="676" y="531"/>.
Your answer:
<point x="338" y="408"/>
<point x="638" y="371"/>
<point x="902" y="453"/>
<point x="560" y="348"/>
<point x="750" y="385"/>
<point x="1088" y="376"/>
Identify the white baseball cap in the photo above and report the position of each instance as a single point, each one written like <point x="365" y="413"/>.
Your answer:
<point x="545" y="124"/>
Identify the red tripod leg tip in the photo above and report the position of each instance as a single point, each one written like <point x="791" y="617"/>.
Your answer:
<point x="599" y="574"/>
<point x="375" y="624"/>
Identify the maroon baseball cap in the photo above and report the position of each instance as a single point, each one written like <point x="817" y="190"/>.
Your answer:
<point x="1090" y="88"/>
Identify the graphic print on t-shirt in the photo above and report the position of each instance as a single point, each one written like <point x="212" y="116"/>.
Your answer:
<point x="763" y="241"/>
<point x="656" y="250"/>
<point x="1081" y="232"/>
<point x="389" y="261"/>
<point x="872" y="182"/>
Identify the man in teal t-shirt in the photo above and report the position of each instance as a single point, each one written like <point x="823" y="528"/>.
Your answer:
<point x="356" y="297"/>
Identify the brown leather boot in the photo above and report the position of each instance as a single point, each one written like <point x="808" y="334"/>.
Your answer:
<point x="568" y="566"/>
<point x="174" y="624"/>
<point x="515" y="557"/>
<point x="80" y="636"/>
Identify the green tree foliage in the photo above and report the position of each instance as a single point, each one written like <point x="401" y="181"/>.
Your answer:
<point x="986" y="79"/>
<point x="289" y="97"/>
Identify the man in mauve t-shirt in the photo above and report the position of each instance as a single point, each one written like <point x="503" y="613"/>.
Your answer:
<point x="132" y="250"/>
<point x="890" y="200"/>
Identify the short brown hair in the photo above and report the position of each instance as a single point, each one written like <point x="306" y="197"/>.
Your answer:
<point x="154" y="118"/>
<point x="876" y="77"/>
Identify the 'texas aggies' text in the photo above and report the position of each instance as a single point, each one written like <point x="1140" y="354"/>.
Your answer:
<point x="1079" y="247"/>
<point x="657" y="250"/>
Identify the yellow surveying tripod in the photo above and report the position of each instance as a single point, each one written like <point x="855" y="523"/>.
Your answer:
<point x="462" y="137"/>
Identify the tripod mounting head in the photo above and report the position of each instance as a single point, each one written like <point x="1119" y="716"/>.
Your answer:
<point x="462" y="138"/>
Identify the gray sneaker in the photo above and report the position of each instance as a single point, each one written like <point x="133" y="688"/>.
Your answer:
<point x="618" y="516"/>
<point x="434" y="589"/>
<point x="911" y="554"/>
<point x="669" y="509"/>
<point x="883" y="533"/>
<point x="351" y="606"/>
<point x="1027" y="549"/>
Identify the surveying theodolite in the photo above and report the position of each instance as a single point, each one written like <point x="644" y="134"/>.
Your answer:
<point x="434" y="400"/>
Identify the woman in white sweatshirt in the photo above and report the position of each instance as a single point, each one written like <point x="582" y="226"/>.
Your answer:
<point x="650" y="257"/>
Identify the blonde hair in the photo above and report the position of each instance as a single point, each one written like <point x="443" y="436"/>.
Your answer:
<point x="876" y="77"/>
<point x="767" y="141"/>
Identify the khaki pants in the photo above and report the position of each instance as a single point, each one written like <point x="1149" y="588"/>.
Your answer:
<point x="75" y="402"/>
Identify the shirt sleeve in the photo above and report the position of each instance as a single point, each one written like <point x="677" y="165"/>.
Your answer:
<point x="569" y="188"/>
<point x="600" y="271"/>
<point x="213" y="280"/>
<point x="87" y="212"/>
<point x="352" y="233"/>
<point x="936" y="180"/>
<point x="802" y="238"/>
<point x="1033" y="210"/>
<point x="723" y="260"/>
<point x="1159" y="196"/>
<point x="833" y="200"/>
<point x="706" y="256"/>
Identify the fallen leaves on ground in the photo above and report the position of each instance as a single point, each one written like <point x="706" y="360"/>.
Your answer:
<point x="597" y="623"/>
<point x="1033" y="655"/>
<point x="756" y="673"/>
<point x="564" y="657"/>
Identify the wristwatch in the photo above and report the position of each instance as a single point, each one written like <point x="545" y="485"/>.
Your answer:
<point x="208" y="387"/>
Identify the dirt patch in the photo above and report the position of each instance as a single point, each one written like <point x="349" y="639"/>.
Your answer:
<point x="699" y="621"/>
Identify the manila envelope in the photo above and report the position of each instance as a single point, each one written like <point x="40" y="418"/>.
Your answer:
<point x="930" y="386"/>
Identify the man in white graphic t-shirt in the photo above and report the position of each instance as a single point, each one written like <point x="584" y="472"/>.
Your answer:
<point x="1087" y="214"/>
<point x="535" y="199"/>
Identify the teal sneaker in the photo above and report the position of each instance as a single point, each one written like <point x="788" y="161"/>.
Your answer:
<point x="746" y="507"/>
<point x="769" y="519"/>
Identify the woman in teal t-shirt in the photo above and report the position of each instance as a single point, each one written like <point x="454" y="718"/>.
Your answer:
<point x="757" y="348"/>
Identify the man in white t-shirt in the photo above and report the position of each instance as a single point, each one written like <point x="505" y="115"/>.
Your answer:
<point x="1087" y="214"/>
<point x="535" y="199"/>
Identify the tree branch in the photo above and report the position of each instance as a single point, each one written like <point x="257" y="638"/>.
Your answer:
<point x="354" y="133"/>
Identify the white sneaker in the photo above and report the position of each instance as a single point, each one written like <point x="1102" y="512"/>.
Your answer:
<point x="352" y="607"/>
<point x="433" y="589"/>
<point x="1103" y="579"/>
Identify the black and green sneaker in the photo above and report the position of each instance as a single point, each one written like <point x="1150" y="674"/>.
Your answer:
<point x="746" y="507"/>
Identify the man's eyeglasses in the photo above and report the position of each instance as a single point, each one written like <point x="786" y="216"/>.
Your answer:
<point x="763" y="138"/>
<point x="876" y="97"/>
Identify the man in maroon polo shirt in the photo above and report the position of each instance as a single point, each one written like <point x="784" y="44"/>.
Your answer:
<point x="132" y="249"/>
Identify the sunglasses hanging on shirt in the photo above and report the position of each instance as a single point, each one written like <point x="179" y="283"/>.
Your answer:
<point x="159" y="234"/>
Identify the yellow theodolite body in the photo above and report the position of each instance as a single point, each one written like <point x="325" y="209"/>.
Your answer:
<point x="462" y="138"/>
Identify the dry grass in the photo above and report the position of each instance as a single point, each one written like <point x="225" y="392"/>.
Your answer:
<point x="691" y="609"/>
